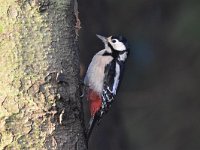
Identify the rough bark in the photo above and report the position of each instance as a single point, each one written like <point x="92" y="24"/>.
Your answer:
<point x="39" y="85"/>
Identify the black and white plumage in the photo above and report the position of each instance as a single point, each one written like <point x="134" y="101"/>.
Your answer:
<point x="103" y="76"/>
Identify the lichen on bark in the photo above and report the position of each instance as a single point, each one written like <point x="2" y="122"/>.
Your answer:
<point x="37" y="43"/>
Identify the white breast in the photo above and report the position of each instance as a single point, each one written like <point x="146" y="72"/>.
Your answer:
<point x="95" y="73"/>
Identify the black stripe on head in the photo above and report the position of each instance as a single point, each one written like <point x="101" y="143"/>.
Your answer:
<point x="119" y="52"/>
<point x="111" y="47"/>
<point x="107" y="54"/>
<point x="121" y="39"/>
<point x="114" y="52"/>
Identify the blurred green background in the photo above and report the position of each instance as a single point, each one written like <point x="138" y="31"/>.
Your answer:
<point x="158" y="103"/>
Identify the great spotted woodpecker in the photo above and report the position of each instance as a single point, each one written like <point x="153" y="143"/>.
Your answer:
<point x="103" y="77"/>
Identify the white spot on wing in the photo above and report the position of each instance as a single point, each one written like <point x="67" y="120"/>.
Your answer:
<point x="116" y="79"/>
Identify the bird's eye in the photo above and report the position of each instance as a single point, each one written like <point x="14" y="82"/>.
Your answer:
<point x="114" y="41"/>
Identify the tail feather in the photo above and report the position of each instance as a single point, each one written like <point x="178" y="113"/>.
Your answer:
<point x="91" y="125"/>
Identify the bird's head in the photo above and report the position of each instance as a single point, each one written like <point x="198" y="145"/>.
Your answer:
<point x="117" y="43"/>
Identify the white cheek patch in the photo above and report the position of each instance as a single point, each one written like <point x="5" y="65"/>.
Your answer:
<point x="119" y="46"/>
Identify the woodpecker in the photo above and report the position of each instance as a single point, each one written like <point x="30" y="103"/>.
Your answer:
<point x="103" y="77"/>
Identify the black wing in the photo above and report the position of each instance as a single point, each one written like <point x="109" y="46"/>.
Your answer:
<point x="113" y="73"/>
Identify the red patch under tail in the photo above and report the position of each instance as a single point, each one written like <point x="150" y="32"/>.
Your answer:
<point x="94" y="101"/>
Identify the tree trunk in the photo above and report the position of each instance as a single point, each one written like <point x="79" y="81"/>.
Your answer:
<point x="39" y="77"/>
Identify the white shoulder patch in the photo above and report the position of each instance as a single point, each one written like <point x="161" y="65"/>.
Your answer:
<point x="122" y="57"/>
<point x="116" y="79"/>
